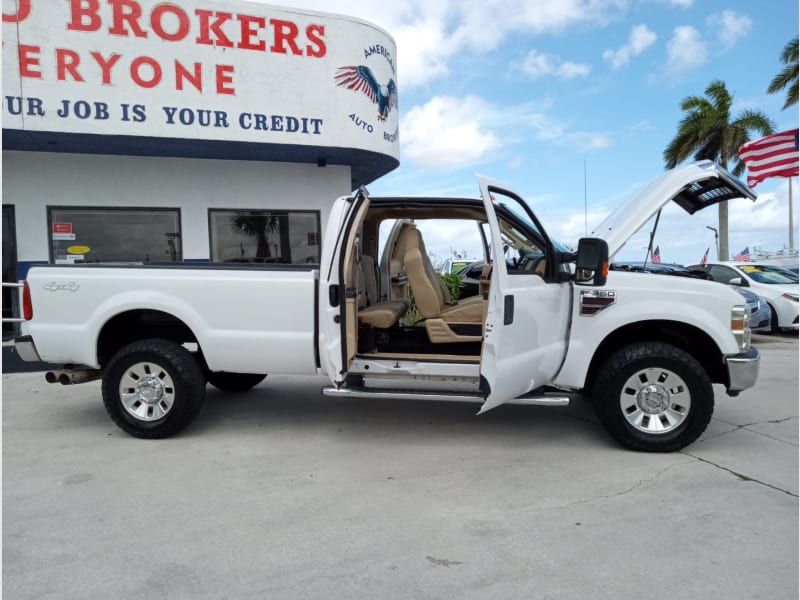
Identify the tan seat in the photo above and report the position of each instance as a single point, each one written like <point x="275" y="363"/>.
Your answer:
<point x="431" y="296"/>
<point x="381" y="315"/>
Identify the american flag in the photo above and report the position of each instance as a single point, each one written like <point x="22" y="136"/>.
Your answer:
<point x="743" y="256"/>
<point x="705" y="256"/>
<point x="772" y="156"/>
<point x="656" y="255"/>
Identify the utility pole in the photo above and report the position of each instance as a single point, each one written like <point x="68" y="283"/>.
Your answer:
<point x="722" y="246"/>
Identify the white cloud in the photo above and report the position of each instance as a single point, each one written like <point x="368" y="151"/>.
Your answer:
<point x="639" y="40"/>
<point x="730" y="26"/>
<point x="538" y="64"/>
<point x="685" y="50"/>
<point x="681" y="3"/>
<point x="447" y="131"/>
<point x="430" y="34"/>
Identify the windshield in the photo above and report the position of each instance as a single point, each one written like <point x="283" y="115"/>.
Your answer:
<point x="765" y="274"/>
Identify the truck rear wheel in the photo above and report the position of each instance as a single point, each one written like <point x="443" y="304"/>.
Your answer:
<point x="653" y="397"/>
<point x="153" y="388"/>
<point x="234" y="382"/>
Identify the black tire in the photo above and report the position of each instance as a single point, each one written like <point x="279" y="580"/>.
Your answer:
<point x="628" y="388"/>
<point x="166" y="388"/>
<point x="234" y="382"/>
<point x="773" y="321"/>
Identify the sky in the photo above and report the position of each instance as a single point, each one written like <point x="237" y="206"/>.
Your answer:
<point x="572" y="102"/>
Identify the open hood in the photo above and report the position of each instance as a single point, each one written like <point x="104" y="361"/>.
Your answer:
<point x="693" y="187"/>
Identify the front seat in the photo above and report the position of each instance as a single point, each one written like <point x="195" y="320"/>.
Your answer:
<point x="445" y="320"/>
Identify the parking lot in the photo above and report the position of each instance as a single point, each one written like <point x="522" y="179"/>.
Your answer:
<point x="281" y="493"/>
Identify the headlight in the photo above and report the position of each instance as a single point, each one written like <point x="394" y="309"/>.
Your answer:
<point x="792" y="297"/>
<point x="739" y="326"/>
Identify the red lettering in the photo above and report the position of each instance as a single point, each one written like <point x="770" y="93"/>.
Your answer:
<point x="224" y="78"/>
<point x="84" y="15"/>
<point x="248" y="33"/>
<point x="28" y="59"/>
<point x="285" y="32"/>
<point x="206" y="27"/>
<point x="136" y="74"/>
<point x="23" y="10"/>
<point x="158" y="27"/>
<point x="314" y="33"/>
<point x="67" y="61"/>
<point x="126" y="11"/>
<point x="106" y="64"/>
<point x="196" y="78"/>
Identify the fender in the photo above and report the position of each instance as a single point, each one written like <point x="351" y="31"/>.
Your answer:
<point x="701" y="304"/>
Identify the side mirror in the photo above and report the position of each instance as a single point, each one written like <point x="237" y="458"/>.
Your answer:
<point x="591" y="264"/>
<point x="735" y="281"/>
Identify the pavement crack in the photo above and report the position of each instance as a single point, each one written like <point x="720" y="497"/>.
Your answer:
<point x="624" y="492"/>
<point x="740" y="476"/>
<point x="747" y="426"/>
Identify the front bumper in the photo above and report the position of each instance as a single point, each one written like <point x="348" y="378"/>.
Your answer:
<point x="743" y="369"/>
<point x="26" y="349"/>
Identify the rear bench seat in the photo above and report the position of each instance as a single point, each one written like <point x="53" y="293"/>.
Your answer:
<point x="380" y="315"/>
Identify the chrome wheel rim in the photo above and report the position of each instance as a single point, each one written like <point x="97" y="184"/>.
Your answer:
<point x="146" y="391"/>
<point x="655" y="400"/>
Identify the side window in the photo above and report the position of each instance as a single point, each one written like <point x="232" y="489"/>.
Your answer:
<point x="722" y="274"/>
<point x="86" y="235"/>
<point x="524" y="245"/>
<point x="258" y="236"/>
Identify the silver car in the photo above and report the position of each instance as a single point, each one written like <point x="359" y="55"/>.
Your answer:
<point x="758" y="308"/>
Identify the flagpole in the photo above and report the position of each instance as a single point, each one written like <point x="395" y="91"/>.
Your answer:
<point x="791" y="218"/>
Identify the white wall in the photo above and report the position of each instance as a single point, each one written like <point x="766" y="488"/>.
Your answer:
<point x="32" y="181"/>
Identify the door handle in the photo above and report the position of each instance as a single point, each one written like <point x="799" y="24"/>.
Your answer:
<point x="508" y="309"/>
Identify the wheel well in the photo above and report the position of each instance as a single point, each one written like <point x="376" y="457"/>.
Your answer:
<point x="686" y="337"/>
<point x="134" y="325"/>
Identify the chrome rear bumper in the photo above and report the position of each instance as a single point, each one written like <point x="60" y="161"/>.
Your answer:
<point x="26" y="349"/>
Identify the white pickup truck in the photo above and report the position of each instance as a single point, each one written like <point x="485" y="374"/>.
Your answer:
<point x="546" y="324"/>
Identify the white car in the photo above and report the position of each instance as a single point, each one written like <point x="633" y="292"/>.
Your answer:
<point x="771" y="283"/>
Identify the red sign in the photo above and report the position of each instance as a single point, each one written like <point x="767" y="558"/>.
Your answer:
<point x="62" y="227"/>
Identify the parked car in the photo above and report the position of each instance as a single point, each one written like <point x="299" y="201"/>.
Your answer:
<point x="663" y="268"/>
<point x="758" y="307"/>
<point x="773" y="284"/>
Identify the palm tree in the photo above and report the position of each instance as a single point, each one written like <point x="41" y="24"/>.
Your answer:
<point x="256" y="225"/>
<point x="707" y="132"/>
<point x="260" y="225"/>
<point x="788" y="75"/>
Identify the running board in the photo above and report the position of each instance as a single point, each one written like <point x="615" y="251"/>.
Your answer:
<point x="401" y="394"/>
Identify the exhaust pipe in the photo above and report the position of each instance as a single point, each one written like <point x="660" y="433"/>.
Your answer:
<point x="72" y="376"/>
<point x="52" y="376"/>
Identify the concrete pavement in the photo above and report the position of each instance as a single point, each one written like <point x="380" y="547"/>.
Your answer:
<point x="281" y="493"/>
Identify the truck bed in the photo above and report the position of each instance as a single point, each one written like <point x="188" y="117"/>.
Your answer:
<point x="246" y="319"/>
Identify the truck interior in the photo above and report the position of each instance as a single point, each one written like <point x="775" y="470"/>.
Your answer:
<point x="402" y="306"/>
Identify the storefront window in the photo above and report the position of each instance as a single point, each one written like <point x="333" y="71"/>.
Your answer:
<point x="88" y="235"/>
<point x="257" y="236"/>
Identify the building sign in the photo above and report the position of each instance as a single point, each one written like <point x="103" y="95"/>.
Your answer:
<point x="200" y="71"/>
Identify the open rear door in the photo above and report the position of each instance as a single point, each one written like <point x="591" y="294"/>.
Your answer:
<point x="527" y="321"/>
<point x="338" y="288"/>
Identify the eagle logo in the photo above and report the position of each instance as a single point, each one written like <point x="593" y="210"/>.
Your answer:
<point x="360" y="79"/>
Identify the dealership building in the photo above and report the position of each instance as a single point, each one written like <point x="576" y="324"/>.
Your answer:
<point x="204" y="131"/>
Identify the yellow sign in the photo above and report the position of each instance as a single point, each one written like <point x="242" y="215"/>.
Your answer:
<point x="78" y="249"/>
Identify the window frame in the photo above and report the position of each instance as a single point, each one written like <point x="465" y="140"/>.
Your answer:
<point x="49" y="212"/>
<point x="288" y="211"/>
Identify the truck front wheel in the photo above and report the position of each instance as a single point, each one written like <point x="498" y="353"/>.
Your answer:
<point x="653" y="397"/>
<point x="153" y="388"/>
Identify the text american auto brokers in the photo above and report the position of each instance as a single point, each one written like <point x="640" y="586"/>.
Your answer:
<point x="170" y="23"/>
